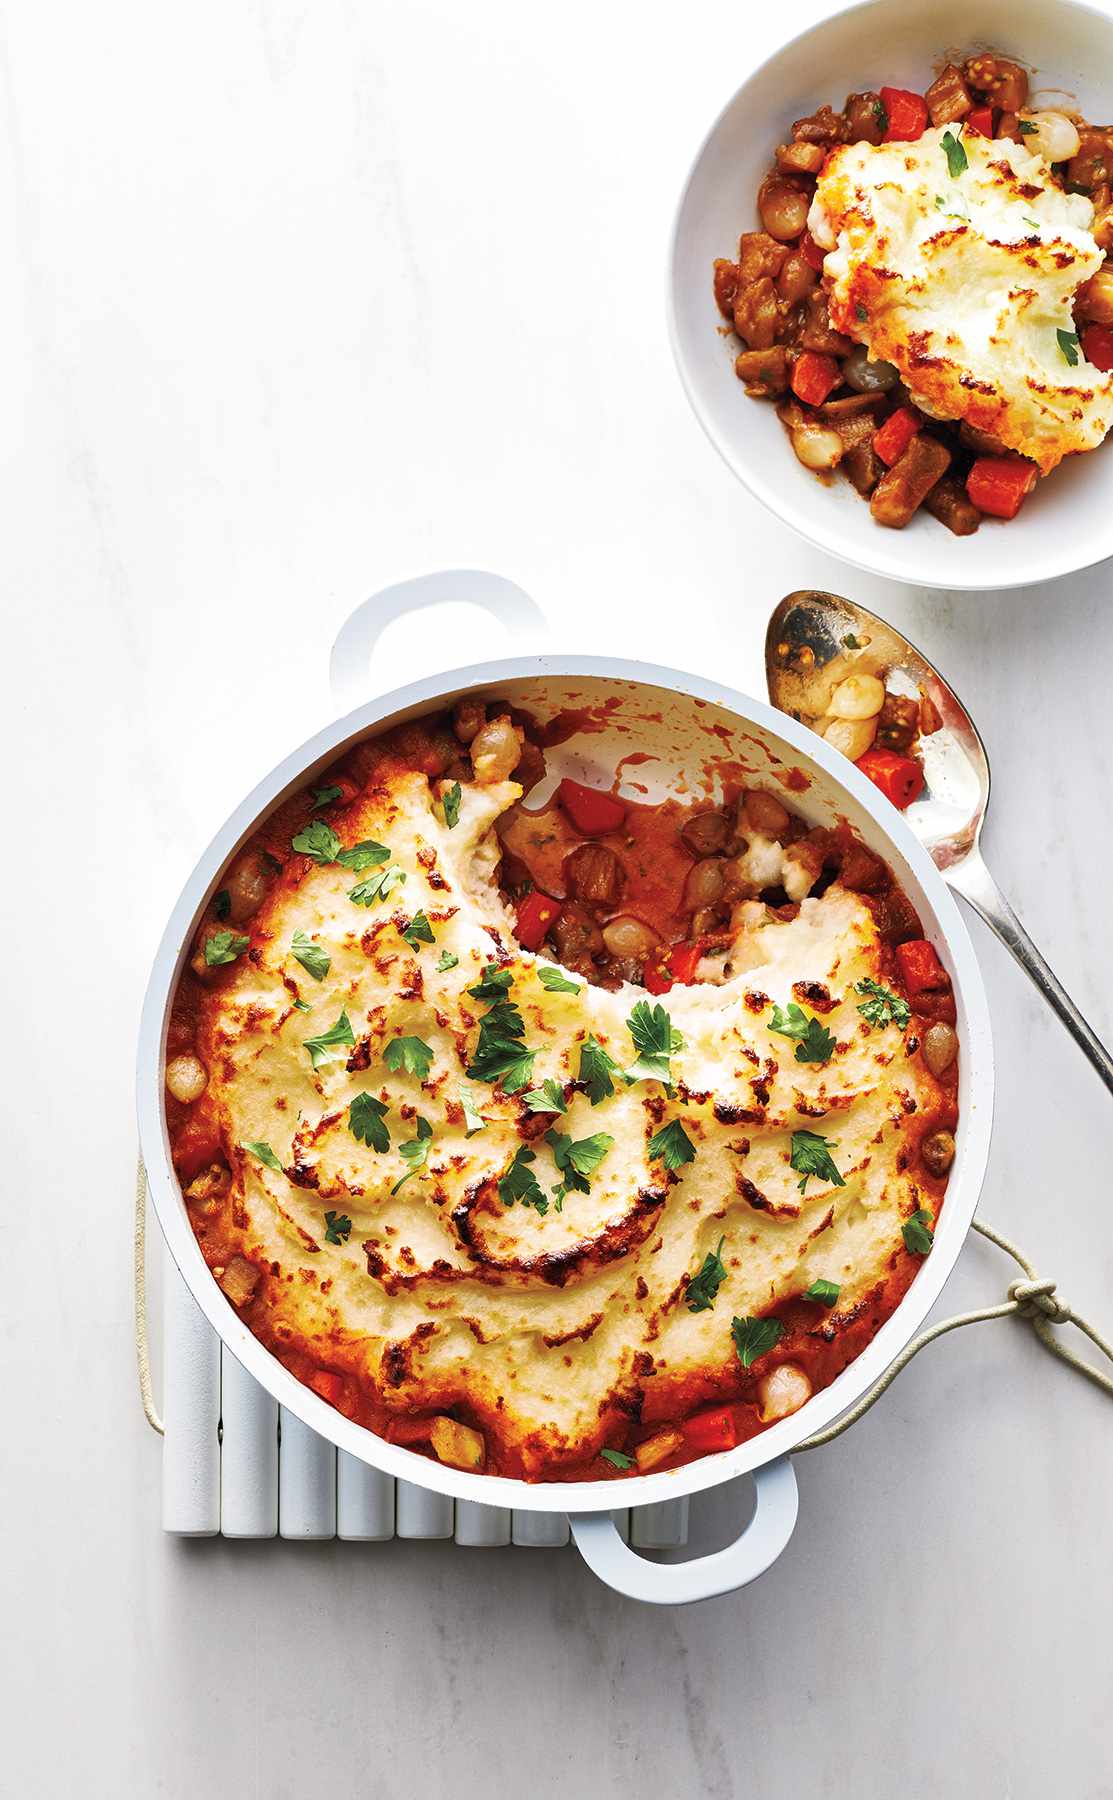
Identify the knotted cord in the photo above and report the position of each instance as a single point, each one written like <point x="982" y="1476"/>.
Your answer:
<point x="1035" y="1299"/>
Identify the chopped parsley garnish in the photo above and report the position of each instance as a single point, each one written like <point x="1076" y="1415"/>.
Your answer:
<point x="918" y="1233"/>
<point x="222" y="903"/>
<point x="312" y="958"/>
<point x="318" y="841"/>
<point x="655" y="1041"/>
<point x="704" y="1286"/>
<point x="753" y="1337"/>
<point x="446" y="960"/>
<point x="418" y="931"/>
<point x="850" y="642"/>
<point x="557" y="981"/>
<point x="548" y="1098"/>
<point x="811" y="1156"/>
<point x="814" y="1043"/>
<point x="880" y="113"/>
<point x="1068" y="344"/>
<point x="473" y="1120"/>
<point x="266" y="1155"/>
<point x="672" y="1145"/>
<point x="378" y="887"/>
<point x="224" y="947"/>
<point x="493" y="984"/>
<point x="597" y="1070"/>
<point x="338" y="1228"/>
<point x="367" y="1122"/>
<point x="576" y="1161"/>
<point x="824" y="1293"/>
<point x="520" y="1183"/>
<point x="415" y="1152"/>
<point x="618" y="1459"/>
<point x="860" y="312"/>
<point x="324" y="796"/>
<point x="364" y="855"/>
<point x="302" y="1006"/>
<point x="410" y="1053"/>
<point x="1027" y="127"/>
<point x="320" y="1048"/>
<point x="450" y="800"/>
<point x="957" y="160"/>
<point x="881" y="1007"/>
<point x="500" y="1051"/>
<point x="1034" y="223"/>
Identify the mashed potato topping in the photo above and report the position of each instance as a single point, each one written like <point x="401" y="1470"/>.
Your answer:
<point x="957" y="258"/>
<point x="445" y="1223"/>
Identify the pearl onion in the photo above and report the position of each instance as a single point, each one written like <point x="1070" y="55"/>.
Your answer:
<point x="1055" y="137"/>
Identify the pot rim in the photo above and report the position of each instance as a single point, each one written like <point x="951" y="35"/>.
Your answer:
<point x="497" y="1490"/>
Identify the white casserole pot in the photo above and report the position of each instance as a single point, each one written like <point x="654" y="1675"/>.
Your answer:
<point x="668" y="714"/>
<point x="1067" y="523"/>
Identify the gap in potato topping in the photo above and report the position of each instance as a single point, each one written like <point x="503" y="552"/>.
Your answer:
<point x="558" y="1142"/>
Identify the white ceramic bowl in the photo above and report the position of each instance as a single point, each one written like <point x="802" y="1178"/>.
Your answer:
<point x="670" y="714"/>
<point x="1067" y="524"/>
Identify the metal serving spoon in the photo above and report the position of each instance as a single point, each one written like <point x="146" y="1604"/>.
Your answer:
<point x="814" y="640"/>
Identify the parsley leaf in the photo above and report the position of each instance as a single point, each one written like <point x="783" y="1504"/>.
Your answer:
<point x="265" y="1155"/>
<point x="493" y="984"/>
<point x="418" y="931"/>
<point x="1068" y="344"/>
<point x="860" y="313"/>
<point x="338" y="1228"/>
<point x="416" y="1151"/>
<point x="824" y="1293"/>
<point x="319" y="1047"/>
<point x="850" y="642"/>
<point x="520" y="1183"/>
<point x="363" y="855"/>
<point x="918" y="1233"/>
<point x="957" y="160"/>
<point x="618" y="1459"/>
<point x="378" y="887"/>
<point x="450" y="800"/>
<point x="303" y="1006"/>
<point x="446" y="960"/>
<point x="576" y="1161"/>
<point x="224" y="947"/>
<point x="318" y="841"/>
<point x="324" y="796"/>
<point x="882" y="1007"/>
<point x="222" y="904"/>
<point x="367" y="1122"/>
<point x="557" y="981"/>
<point x="473" y="1120"/>
<point x="753" y="1337"/>
<point x="810" y="1156"/>
<point x="548" y="1098"/>
<point x="310" y="955"/>
<point x="814" y="1042"/>
<point x="597" y="1070"/>
<point x="411" y="1054"/>
<point x="1027" y="127"/>
<point x="1034" y="223"/>
<point x="654" y="1040"/>
<point x="704" y="1285"/>
<point x="672" y="1145"/>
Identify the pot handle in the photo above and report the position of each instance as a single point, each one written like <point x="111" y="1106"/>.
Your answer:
<point x="349" y="664"/>
<point x="676" y="1584"/>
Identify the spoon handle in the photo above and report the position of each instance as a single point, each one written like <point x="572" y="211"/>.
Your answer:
<point x="974" y="882"/>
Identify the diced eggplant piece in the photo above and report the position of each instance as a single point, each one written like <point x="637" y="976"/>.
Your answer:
<point x="863" y="466"/>
<point x="950" y="504"/>
<point x="904" y="487"/>
<point x="948" y="97"/>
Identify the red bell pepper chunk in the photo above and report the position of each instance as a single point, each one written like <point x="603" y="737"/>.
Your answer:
<point x="409" y="1431"/>
<point x="813" y="253"/>
<point x="1097" y="346"/>
<point x="656" y="977"/>
<point x="814" y="377"/>
<point x="920" y="968"/>
<point x="591" y="812"/>
<point x="907" y="115"/>
<point x="683" y="959"/>
<point x="892" y="439"/>
<point x="1000" y="484"/>
<point x="537" y="913"/>
<point x="900" y="778"/>
<point x="708" y="1431"/>
<point x="327" y="1384"/>
<point x="980" y="120"/>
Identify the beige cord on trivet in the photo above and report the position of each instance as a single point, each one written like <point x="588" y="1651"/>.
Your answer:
<point x="1033" y="1299"/>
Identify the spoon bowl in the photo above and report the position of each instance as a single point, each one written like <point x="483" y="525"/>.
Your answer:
<point x="813" y="642"/>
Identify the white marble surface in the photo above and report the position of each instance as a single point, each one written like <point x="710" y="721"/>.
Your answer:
<point x="298" y="299"/>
